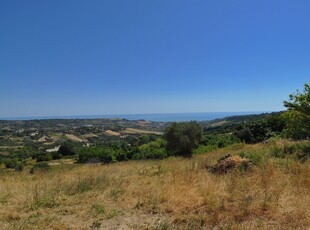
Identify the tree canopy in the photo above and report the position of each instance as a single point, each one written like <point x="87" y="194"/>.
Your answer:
<point x="298" y="115"/>
<point x="183" y="137"/>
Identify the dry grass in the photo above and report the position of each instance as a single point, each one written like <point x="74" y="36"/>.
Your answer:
<point x="169" y="194"/>
<point x="113" y="133"/>
<point x="74" y="138"/>
<point x="139" y="131"/>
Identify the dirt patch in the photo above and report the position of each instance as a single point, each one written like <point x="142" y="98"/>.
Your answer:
<point x="140" y="131"/>
<point x="90" y="135"/>
<point x="4" y="153"/>
<point x="143" y="122"/>
<point x="42" y="139"/>
<point x="54" y="163"/>
<point x="112" y="133"/>
<point x="132" y="221"/>
<point x="74" y="138"/>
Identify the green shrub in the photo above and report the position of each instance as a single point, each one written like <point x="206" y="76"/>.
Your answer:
<point x="44" y="157"/>
<point x="96" y="154"/>
<point x="11" y="163"/>
<point x="14" y="164"/>
<point x="56" y="156"/>
<point x="152" y="150"/>
<point x="19" y="167"/>
<point x="220" y="141"/>
<point x="205" y="149"/>
<point x="213" y="142"/>
<point x="300" y="151"/>
<point x="303" y="151"/>
<point x="121" y="156"/>
<point x="245" y="135"/>
<point x="151" y="154"/>
<point x="255" y="157"/>
<point x="26" y="152"/>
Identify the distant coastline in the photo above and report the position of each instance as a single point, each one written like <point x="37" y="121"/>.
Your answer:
<point x="157" y="117"/>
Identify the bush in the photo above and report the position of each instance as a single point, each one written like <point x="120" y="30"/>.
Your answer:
<point x="66" y="150"/>
<point x="14" y="164"/>
<point x="11" y="163"/>
<point x="44" y="157"/>
<point x="56" y="156"/>
<point x="40" y="167"/>
<point x="153" y="150"/>
<point x="204" y="149"/>
<point x="19" y="167"/>
<point x="212" y="142"/>
<point x="255" y="157"/>
<point x="121" y="156"/>
<point x="303" y="151"/>
<point x="246" y="135"/>
<point x="151" y="154"/>
<point x="26" y="152"/>
<point x="96" y="154"/>
<point x="299" y="151"/>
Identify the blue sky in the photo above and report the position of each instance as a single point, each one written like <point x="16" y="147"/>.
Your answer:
<point x="62" y="57"/>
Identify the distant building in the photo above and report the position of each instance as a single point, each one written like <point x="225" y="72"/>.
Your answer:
<point x="53" y="150"/>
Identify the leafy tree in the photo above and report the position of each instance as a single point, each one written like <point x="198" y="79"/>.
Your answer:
<point x="66" y="150"/>
<point x="183" y="137"/>
<point x="56" y="155"/>
<point x="262" y="129"/>
<point x="245" y="135"/>
<point x="97" y="154"/>
<point x="27" y="151"/>
<point x="152" y="150"/>
<point x="276" y="123"/>
<point x="298" y="114"/>
<point x="44" y="157"/>
<point x="144" y="139"/>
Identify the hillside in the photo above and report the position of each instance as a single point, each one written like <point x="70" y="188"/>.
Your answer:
<point x="229" y="124"/>
<point x="173" y="193"/>
<point x="45" y="134"/>
<point x="52" y="132"/>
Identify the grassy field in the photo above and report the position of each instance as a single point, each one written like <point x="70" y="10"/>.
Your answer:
<point x="173" y="193"/>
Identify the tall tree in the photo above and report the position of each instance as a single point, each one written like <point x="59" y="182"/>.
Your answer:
<point x="183" y="137"/>
<point x="298" y="114"/>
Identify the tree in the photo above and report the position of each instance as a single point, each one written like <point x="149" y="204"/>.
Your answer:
<point x="246" y="135"/>
<point x="152" y="150"/>
<point x="298" y="114"/>
<point x="183" y="137"/>
<point x="66" y="150"/>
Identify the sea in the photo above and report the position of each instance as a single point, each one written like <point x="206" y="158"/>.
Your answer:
<point x="158" y="117"/>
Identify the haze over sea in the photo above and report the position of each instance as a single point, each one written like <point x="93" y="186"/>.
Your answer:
<point x="159" y="117"/>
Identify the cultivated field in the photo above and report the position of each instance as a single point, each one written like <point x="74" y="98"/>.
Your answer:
<point x="72" y="137"/>
<point x="173" y="193"/>
<point x="139" y="131"/>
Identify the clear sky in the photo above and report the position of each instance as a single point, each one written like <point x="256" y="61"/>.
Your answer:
<point x="91" y="57"/>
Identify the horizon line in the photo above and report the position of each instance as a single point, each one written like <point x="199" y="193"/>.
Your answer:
<point x="41" y="117"/>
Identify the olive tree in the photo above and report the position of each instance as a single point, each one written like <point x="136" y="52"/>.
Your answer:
<point x="183" y="137"/>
